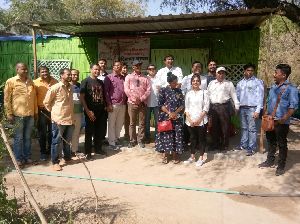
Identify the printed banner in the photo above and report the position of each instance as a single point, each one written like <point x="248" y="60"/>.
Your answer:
<point x="124" y="49"/>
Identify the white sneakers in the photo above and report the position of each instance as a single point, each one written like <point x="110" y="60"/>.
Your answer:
<point x="191" y="160"/>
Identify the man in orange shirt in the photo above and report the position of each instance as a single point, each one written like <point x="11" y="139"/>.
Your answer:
<point x="42" y="84"/>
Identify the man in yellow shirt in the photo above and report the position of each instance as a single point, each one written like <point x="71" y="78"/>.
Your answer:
<point x="21" y="107"/>
<point x="42" y="84"/>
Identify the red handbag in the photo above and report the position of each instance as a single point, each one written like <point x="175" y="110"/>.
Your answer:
<point x="163" y="126"/>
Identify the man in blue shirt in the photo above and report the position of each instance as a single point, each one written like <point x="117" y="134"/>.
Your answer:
<point x="250" y="93"/>
<point x="287" y="105"/>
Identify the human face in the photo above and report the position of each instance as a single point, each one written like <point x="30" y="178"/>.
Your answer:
<point x="169" y="62"/>
<point x="75" y="76"/>
<point x="196" y="83"/>
<point x="137" y="68"/>
<point x="95" y="70"/>
<point x="248" y="73"/>
<point x="220" y="76"/>
<point x="117" y="67"/>
<point x="66" y="76"/>
<point x="44" y="73"/>
<point x="22" y="70"/>
<point x="124" y="70"/>
<point x="102" y="65"/>
<point x="173" y="84"/>
<point x="151" y="71"/>
<point x="212" y="67"/>
<point x="197" y="68"/>
<point x="279" y="76"/>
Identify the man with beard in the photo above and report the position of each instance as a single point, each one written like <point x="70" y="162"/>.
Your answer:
<point x="211" y="75"/>
<point x="59" y="101"/>
<point x="282" y="102"/>
<point x="42" y="84"/>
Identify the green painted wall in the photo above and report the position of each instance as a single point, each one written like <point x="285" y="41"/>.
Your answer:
<point x="81" y="52"/>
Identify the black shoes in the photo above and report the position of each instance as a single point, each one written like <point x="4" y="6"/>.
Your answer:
<point x="100" y="152"/>
<point x="279" y="171"/>
<point x="266" y="164"/>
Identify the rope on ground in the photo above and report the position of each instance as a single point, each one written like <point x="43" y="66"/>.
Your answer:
<point x="88" y="171"/>
<point x="23" y="180"/>
<point x="164" y="185"/>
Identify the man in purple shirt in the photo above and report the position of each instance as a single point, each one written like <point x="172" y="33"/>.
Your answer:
<point x="116" y="104"/>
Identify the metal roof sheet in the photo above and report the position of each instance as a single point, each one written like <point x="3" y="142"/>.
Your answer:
<point x="240" y="19"/>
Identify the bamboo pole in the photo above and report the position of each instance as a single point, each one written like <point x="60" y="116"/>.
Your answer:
<point x="34" y="53"/>
<point x="23" y="181"/>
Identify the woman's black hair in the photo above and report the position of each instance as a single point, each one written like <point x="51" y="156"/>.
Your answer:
<point x="196" y="76"/>
<point x="171" y="77"/>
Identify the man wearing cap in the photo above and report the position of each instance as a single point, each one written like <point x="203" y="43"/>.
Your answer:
<point x="220" y="92"/>
<point x="137" y="88"/>
<point x="250" y="93"/>
<point x="116" y="104"/>
<point x="162" y="73"/>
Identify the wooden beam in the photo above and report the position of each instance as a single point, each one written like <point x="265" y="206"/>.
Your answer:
<point x="34" y="53"/>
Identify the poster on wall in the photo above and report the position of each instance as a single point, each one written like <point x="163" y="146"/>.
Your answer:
<point x="125" y="50"/>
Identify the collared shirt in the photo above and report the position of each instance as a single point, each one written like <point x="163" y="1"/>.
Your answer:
<point x="20" y="97"/>
<point x="289" y="100"/>
<point x="76" y="99"/>
<point x="137" y="88"/>
<point x="209" y="78"/>
<point x="222" y="92"/>
<point x="114" y="89"/>
<point x="102" y="76"/>
<point x="187" y="86"/>
<point x="195" y="103"/>
<point x="59" y="101"/>
<point x="162" y="75"/>
<point x="153" y="98"/>
<point x="42" y="87"/>
<point x="250" y="92"/>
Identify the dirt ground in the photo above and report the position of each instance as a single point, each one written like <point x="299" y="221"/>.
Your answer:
<point x="62" y="198"/>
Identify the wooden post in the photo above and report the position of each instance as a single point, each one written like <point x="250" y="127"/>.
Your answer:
<point x="34" y="53"/>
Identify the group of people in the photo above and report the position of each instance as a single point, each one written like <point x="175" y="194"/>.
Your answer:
<point x="191" y="105"/>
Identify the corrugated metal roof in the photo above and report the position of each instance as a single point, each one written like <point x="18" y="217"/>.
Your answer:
<point x="240" y="19"/>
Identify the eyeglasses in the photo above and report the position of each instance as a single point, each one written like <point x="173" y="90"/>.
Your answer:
<point x="250" y="70"/>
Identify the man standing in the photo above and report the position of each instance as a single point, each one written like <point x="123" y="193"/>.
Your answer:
<point x="103" y="73"/>
<point x="124" y="72"/>
<point x="162" y="73"/>
<point x="59" y="101"/>
<point x="92" y="99"/>
<point x="116" y="104"/>
<point x="77" y="110"/>
<point x="211" y="75"/>
<point x="250" y="93"/>
<point x="283" y="99"/>
<point x="186" y="81"/>
<point x="152" y="102"/>
<point x="220" y="91"/>
<point x="42" y="84"/>
<point x="137" y="88"/>
<point x="21" y="108"/>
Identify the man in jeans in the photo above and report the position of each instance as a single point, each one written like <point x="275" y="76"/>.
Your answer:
<point x="286" y="107"/>
<point x="250" y="93"/>
<point x="59" y="101"/>
<point x="116" y="104"/>
<point x="21" y="108"/>
<point x="137" y="88"/>
<point x="92" y="99"/>
<point x="42" y="84"/>
<point x="152" y="102"/>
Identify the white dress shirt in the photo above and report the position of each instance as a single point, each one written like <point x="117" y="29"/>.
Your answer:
<point x="195" y="103"/>
<point x="222" y="92"/>
<point x="187" y="86"/>
<point x="152" y="100"/>
<point x="162" y="75"/>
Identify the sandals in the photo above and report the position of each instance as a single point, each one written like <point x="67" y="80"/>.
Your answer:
<point x="165" y="160"/>
<point x="176" y="160"/>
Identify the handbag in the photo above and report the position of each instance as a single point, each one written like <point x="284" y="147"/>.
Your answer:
<point x="163" y="126"/>
<point x="267" y="121"/>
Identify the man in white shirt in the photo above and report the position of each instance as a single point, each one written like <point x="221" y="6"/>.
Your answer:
<point x="221" y="92"/>
<point x="162" y="73"/>
<point x="152" y="101"/>
<point x="186" y="81"/>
